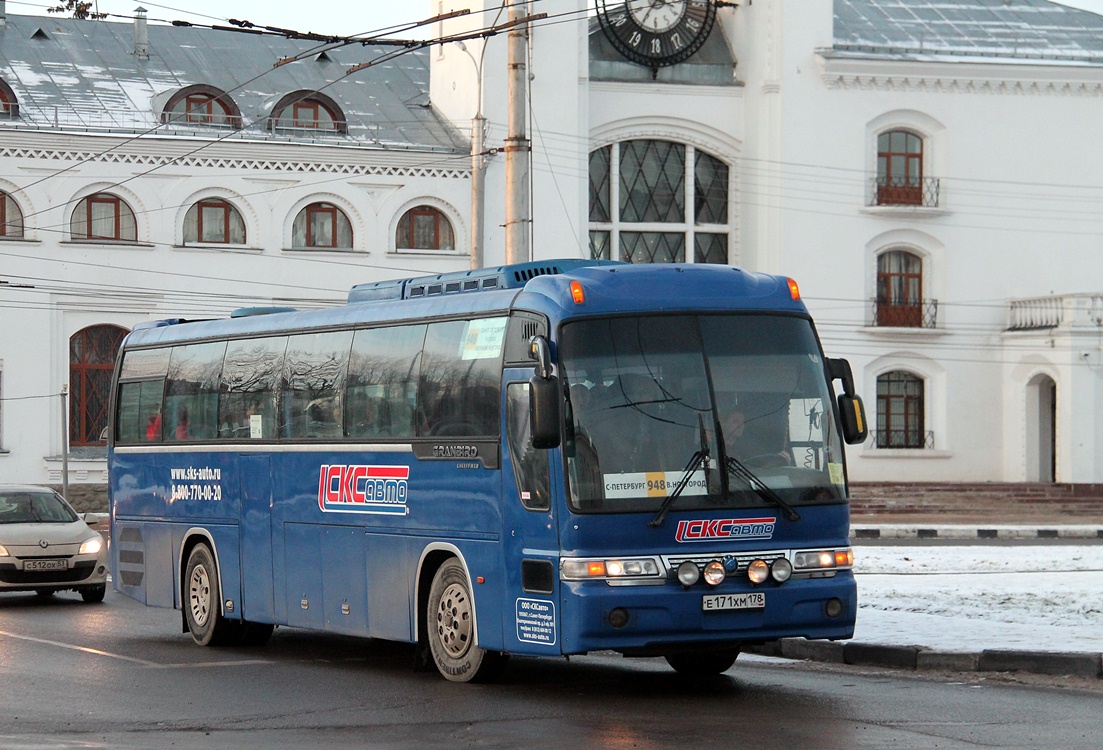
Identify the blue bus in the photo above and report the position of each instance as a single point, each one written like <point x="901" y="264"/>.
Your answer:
<point x="542" y="459"/>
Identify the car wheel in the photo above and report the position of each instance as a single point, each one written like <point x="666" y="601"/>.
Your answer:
<point x="450" y="618"/>
<point x="44" y="593"/>
<point x="203" y="601"/>
<point x="93" y="594"/>
<point x="706" y="664"/>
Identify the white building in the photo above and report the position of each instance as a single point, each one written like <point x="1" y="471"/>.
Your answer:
<point x="927" y="171"/>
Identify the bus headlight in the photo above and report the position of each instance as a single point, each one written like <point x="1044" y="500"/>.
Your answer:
<point x="758" y="571"/>
<point x="826" y="559"/>
<point x="574" y="569"/>
<point x="781" y="569"/>
<point x="714" y="573"/>
<point x="688" y="573"/>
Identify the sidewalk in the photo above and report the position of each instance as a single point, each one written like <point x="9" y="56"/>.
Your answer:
<point x="982" y="636"/>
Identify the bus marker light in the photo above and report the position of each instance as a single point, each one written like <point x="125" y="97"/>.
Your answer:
<point x="794" y="290"/>
<point x="577" y="293"/>
<point x="714" y="573"/>
<point x="758" y="571"/>
<point x="480" y="579"/>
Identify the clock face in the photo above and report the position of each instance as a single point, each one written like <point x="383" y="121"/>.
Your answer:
<point x="656" y="33"/>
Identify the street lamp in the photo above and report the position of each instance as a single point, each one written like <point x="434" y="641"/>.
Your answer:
<point x="478" y="161"/>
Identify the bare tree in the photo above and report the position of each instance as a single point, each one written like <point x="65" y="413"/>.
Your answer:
<point x="79" y="9"/>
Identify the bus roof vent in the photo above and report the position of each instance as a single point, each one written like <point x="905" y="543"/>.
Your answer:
<point x="460" y="282"/>
<point x="248" y="312"/>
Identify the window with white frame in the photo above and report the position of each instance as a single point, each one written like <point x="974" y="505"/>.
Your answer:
<point x="11" y="217"/>
<point x="655" y="201"/>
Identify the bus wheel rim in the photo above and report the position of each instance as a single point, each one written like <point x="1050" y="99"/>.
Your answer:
<point x="454" y="620"/>
<point x="200" y="595"/>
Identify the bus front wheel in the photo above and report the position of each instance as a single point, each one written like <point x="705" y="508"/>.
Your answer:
<point x="202" y="600"/>
<point x="450" y="618"/>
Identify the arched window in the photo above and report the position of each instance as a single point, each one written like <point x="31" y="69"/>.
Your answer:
<point x="202" y="105"/>
<point x="899" y="169"/>
<point x="641" y="212"/>
<point x="103" y="216"/>
<point x="900" y="410"/>
<point x="899" y="289"/>
<point x="321" y="225"/>
<point x="214" y="221"/>
<point x="424" y="228"/>
<point x="92" y="354"/>
<point x="11" y="217"/>
<point x="307" y="110"/>
<point x="9" y="103"/>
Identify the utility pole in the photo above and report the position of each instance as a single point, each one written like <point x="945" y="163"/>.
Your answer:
<point x="65" y="441"/>
<point x="517" y="143"/>
<point x="478" y="159"/>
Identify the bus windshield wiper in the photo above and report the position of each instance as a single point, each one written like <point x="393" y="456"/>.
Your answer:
<point x="699" y="458"/>
<point x="739" y="470"/>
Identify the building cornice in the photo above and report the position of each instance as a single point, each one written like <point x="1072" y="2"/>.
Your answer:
<point x="1017" y="77"/>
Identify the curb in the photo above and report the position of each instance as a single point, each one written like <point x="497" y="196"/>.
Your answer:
<point x="860" y="531"/>
<point x="918" y="658"/>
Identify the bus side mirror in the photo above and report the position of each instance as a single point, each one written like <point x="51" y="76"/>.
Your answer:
<point x="851" y="409"/>
<point x="544" y="397"/>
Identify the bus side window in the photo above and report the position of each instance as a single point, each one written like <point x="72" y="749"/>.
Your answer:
<point x="530" y="465"/>
<point x="140" y="412"/>
<point x="382" y="382"/>
<point x="315" y="368"/>
<point x="191" y="393"/>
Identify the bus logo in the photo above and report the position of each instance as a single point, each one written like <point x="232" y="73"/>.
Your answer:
<point x="725" y="528"/>
<point x="350" y="488"/>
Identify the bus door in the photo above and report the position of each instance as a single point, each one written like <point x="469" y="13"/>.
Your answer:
<point x="530" y="533"/>
<point x="257" y="599"/>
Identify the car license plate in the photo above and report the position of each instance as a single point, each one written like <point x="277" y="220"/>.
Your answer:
<point x="750" y="600"/>
<point x="45" y="565"/>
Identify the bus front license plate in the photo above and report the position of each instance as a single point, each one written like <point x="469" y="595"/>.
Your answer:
<point x="717" y="602"/>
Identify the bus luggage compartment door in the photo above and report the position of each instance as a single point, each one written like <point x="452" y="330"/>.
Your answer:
<point x="258" y="601"/>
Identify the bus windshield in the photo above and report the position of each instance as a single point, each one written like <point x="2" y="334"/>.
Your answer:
<point x="736" y="408"/>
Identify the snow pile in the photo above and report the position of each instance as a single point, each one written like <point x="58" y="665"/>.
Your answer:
<point x="968" y="598"/>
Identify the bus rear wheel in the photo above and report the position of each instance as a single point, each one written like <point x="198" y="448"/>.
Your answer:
<point x="450" y="619"/>
<point x="203" y="601"/>
<point x="702" y="664"/>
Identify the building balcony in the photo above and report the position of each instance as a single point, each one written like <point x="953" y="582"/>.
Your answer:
<point x="1056" y="311"/>
<point x="920" y="314"/>
<point x="903" y="191"/>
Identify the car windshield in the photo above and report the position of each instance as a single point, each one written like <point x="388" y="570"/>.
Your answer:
<point x="26" y="506"/>
<point x="659" y="401"/>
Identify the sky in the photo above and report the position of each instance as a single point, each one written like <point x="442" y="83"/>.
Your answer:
<point x="338" y="17"/>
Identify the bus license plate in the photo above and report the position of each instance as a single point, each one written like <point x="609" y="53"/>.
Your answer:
<point x="45" y="565"/>
<point x="716" y="602"/>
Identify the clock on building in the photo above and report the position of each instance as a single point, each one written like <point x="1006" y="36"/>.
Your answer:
<point x="656" y="33"/>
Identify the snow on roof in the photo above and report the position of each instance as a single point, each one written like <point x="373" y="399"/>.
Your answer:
<point x="85" y="74"/>
<point x="1035" y="30"/>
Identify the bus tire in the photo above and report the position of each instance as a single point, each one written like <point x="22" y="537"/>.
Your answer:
<point x="203" y="601"/>
<point x="702" y="664"/>
<point x="450" y="619"/>
<point x="255" y="633"/>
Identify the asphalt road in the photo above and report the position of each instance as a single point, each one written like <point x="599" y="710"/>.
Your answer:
<point x="119" y="675"/>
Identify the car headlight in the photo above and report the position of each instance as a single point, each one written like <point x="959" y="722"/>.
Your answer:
<point x="91" y="546"/>
<point x="3" y="551"/>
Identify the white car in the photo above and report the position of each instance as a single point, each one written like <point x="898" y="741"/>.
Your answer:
<point x="46" y="547"/>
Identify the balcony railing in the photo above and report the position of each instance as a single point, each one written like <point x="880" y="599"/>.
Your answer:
<point x="904" y="191"/>
<point x="921" y="314"/>
<point x="1063" y="310"/>
<point x="898" y="439"/>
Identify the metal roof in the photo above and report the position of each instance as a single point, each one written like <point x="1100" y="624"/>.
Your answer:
<point x="1025" y="30"/>
<point x="70" y="73"/>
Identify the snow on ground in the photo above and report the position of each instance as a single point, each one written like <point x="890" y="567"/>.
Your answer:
<point x="969" y="598"/>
